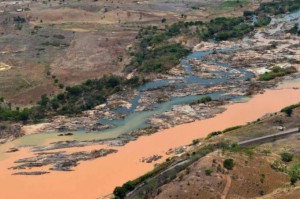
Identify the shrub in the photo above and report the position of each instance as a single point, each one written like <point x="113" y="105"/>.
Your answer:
<point x="203" y="100"/>
<point x="120" y="192"/>
<point x="212" y="134"/>
<point x="208" y="171"/>
<point x="287" y="157"/>
<point x="228" y="164"/>
<point x="294" y="173"/>
<point x="196" y="141"/>
<point x="278" y="166"/>
<point x="263" y="21"/>
<point x="289" y="109"/>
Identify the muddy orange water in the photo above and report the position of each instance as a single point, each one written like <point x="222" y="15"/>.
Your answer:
<point x="99" y="177"/>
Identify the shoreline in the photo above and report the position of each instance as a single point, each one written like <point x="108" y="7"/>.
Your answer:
<point x="125" y="165"/>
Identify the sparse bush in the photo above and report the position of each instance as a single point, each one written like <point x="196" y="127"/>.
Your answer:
<point x="203" y="100"/>
<point x="212" y="134"/>
<point x="208" y="171"/>
<point x="196" y="141"/>
<point x="278" y="166"/>
<point x="61" y="86"/>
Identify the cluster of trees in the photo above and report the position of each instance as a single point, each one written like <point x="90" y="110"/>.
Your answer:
<point x="154" y="41"/>
<point x="263" y="21"/>
<point x="7" y="113"/>
<point x="225" y="28"/>
<point x="289" y="109"/>
<point x="276" y="72"/>
<point x="278" y="7"/>
<point x="73" y="100"/>
<point x="156" y="53"/>
<point x="85" y="96"/>
<point x="159" y="59"/>
<point x="274" y="8"/>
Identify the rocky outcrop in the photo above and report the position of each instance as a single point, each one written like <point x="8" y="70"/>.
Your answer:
<point x="9" y="131"/>
<point x="61" y="161"/>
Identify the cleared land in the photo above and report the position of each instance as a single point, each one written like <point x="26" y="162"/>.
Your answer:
<point x="67" y="42"/>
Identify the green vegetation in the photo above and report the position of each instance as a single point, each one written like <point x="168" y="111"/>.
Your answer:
<point x="278" y="166"/>
<point x="82" y="97"/>
<point x="7" y="113"/>
<point x="160" y="176"/>
<point x="159" y="59"/>
<point x="279" y="7"/>
<point x="289" y="109"/>
<point x="195" y="142"/>
<point x="287" y="157"/>
<point x="73" y="100"/>
<point x="294" y="30"/>
<point x="232" y="128"/>
<point x="248" y="13"/>
<point x="276" y="72"/>
<point x="294" y="173"/>
<point x="208" y="171"/>
<point x="263" y="21"/>
<point x="212" y="134"/>
<point x="202" y="100"/>
<point x="157" y="53"/>
<point x="228" y="164"/>
<point x="233" y="4"/>
<point x="215" y="133"/>
<point x="235" y="147"/>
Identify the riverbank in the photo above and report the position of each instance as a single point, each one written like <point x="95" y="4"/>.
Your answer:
<point x="125" y="165"/>
<point x="165" y="103"/>
<point x="223" y="70"/>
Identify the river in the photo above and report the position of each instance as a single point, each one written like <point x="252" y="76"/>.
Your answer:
<point x="99" y="177"/>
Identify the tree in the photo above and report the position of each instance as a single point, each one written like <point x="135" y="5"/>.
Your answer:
<point x="120" y="192"/>
<point x="289" y="112"/>
<point x="44" y="100"/>
<point x="24" y="115"/>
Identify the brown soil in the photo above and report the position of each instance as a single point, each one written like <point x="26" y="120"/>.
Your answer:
<point x="244" y="181"/>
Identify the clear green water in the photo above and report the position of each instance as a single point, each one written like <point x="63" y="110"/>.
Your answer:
<point x="133" y="122"/>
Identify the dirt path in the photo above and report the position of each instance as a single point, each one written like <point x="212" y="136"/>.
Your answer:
<point x="227" y="187"/>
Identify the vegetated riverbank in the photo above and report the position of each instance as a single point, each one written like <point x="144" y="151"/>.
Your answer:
<point x="203" y="75"/>
<point x="35" y="139"/>
<point x="157" y="53"/>
<point x="125" y="164"/>
<point x="207" y="72"/>
<point x="191" y="174"/>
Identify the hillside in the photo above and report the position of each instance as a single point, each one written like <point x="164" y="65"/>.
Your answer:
<point x="268" y="169"/>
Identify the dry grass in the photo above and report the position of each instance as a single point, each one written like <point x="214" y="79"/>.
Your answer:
<point x="251" y="177"/>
